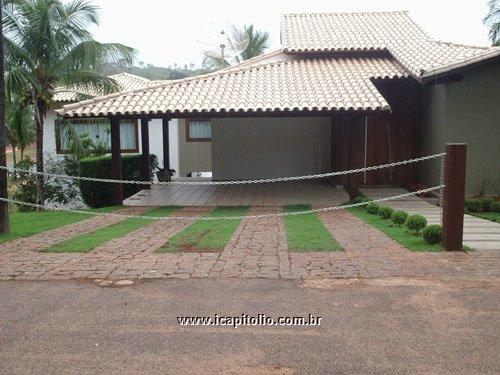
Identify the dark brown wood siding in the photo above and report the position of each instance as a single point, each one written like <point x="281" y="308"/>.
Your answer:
<point x="391" y="137"/>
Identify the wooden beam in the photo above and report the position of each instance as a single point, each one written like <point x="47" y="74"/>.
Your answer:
<point x="166" y="143"/>
<point x="116" y="160"/>
<point x="145" y="166"/>
<point x="455" y="162"/>
<point x="4" y="206"/>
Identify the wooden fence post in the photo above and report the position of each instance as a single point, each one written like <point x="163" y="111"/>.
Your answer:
<point x="116" y="161"/>
<point x="455" y="161"/>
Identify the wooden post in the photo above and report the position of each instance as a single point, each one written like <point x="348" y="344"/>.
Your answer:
<point x="352" y="186"/>
<point x="454" y="196"/>
<point x="145" y="167"/>
<point x="4" y="206"/>
<point x="166" y="143"/>
<point x="116" y="160"/>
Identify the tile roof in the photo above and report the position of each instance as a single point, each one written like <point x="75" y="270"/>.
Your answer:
<point x="126" y="81"/>
<point x="301" y="84"/>
<point x="394" y="32"/>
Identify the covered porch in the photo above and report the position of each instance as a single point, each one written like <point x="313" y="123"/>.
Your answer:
<point x="319" y="194"/>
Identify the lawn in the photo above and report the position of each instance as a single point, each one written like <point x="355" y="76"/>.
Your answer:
<point x="397" y="233"/>
<point x="24" y="224"/>
<point x="206" y="236"/>
<point x="307" y="232"/>
<point x="89" y="241"/>
<point x="491" y="216"/>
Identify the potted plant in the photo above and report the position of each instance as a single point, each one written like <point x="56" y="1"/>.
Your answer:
<point x="165" y="175"/>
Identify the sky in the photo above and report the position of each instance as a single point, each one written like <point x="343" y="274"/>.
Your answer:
<point x="169" y="32"/>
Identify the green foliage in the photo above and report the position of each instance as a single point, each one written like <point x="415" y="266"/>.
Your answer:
<point x="385" y="212"/>
<point x="432" y="234"/>
<point x="399" y="217"/>
<point x="372" y="208"/>
<point x="495" y="206"/>
<point x="416" y="223"/>
<point x="99" y="194"/>
<point x="492" y="20"/>
<point x="486" y="204"/>
<point x="360" y="199"/>
<point x="307" y="232"/>
<point x="473" y="205"/>
<point x="25" y="188"/>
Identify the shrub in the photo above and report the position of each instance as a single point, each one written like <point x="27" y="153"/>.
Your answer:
<point x="99" y="194"/>
<point x="56" y="190"/>
<point x="495" y="206"/>
<point x="486" y="204"/>
<point x="372" y="208"/>
<point x="399" y="217"/>
<point x="416" y="223"/>
<point x="432" y="234"/>
<point x="385" y="212"/>
<point x="360" y="199"/>
<point x="473" y="205"/>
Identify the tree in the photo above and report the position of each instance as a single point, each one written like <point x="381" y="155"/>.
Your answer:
<point x="493" y="21"/>
<point x="258" y="43"/>
<point x="20" y="126"/>
<point x="47" y="44"/>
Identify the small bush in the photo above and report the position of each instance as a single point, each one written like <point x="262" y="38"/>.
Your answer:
<point x="372" y="208"/>
<point x="360" y="199"/>
<point x="399" y="217"/>
<point x="98" y="194"/>
<point x="486" y="204"/>
<point x="473" y="205"/>
<point x="495" y="206"/>
<point x="415" y="223"/>
<point x="385" y="212"/>
<point x="432" y="234"/>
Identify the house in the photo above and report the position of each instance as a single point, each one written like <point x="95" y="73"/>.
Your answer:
<point x="346" y="90"/>
<point x="196" y="158"/>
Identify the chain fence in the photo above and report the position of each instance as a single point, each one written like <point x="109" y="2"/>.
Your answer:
<point x="239" y="182"/>
<point x="223" y="218"/>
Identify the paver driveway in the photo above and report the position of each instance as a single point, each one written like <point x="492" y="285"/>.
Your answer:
<point x="258" y="248"/>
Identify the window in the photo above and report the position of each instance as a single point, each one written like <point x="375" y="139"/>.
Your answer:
<point x="98" y="130"/>
<point x="198" y="131"/>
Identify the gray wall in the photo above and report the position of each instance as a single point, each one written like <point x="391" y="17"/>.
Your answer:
<point x="469" y="112"/>
<point x="270" y="147"/>
<point x="193" y="156"/>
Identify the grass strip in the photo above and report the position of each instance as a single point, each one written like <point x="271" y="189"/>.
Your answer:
<point x="206" y="235"/>
<point x="397" y="233"/>
<point x="491" y="216"/>
<point x="307" y="232"/>
<point x="89" y="241"/>
<point x="26" y="224"/>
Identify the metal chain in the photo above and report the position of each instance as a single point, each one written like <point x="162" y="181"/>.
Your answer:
<point x="241" y="182"/>
<point x="223" y="218"/>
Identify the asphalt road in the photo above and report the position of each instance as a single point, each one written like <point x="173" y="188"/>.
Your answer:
<point x="382" y="327"/>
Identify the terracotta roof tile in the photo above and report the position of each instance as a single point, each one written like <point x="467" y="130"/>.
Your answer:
<point x="311" y="84"/>
<point x="394" y="32"/>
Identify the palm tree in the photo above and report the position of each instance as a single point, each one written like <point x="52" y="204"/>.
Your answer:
<point x="47" y="43"/>
<point x="493" y="21"/>
<point x="20" y="127"/>
<point x="258" y="43"/>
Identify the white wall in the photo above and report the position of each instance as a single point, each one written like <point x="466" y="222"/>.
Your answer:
<point x="249" y="148"/>
<point x="155" y="139"/>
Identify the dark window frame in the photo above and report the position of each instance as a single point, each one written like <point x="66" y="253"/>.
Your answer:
<point x="57" y="134"/>
<point x="188" y="136"/>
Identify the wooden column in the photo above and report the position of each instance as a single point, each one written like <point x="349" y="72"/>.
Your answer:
<point x="455" y="162"/>
<point x="166" y="143"/>
<point x="4" y="206"/>
<point x="352" y="186"/>
<point x="116" y="160"/>
<point x="145" y="167"/>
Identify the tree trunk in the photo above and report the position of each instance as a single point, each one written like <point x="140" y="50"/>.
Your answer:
<point x="14" y="161"/>
<point x="40" y="193"/>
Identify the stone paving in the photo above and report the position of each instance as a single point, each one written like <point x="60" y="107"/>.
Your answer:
<point x="258" y="248"/>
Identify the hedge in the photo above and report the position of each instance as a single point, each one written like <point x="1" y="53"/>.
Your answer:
<point x="99" y="194"/>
